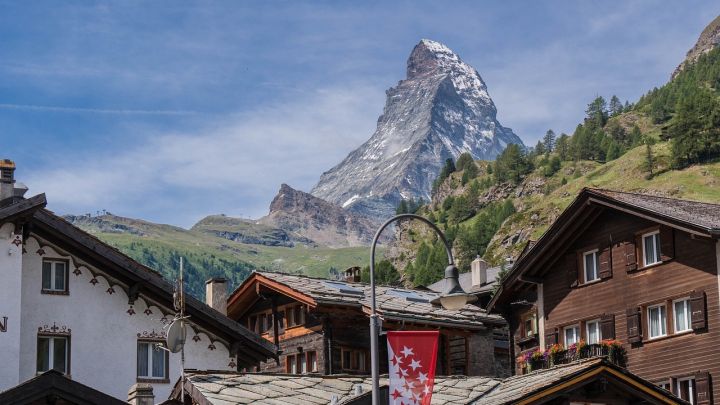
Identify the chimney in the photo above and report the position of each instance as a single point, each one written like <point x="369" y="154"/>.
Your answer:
<point x="7" y="178"/>
<point x="216" y="294"/>
<point x="478" y="267"/>
<point x="141" y="394"/>
<point x="352" y="275"/>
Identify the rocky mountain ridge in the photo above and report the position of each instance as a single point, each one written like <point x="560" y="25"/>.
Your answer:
<point x="708" y="40"/>
<point x="440" y="110"/>
<point x="311" y="218"/>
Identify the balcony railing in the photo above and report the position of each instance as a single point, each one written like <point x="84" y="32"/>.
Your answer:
<point x="557" y="354"/>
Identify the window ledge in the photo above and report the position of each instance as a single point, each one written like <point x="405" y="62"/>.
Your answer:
<point x="53" y="292"/>
<point x="153" y="380"/>
<point x="666" y="337"/>
<point x="649" y="266"/>
<point x="581" y="285"/>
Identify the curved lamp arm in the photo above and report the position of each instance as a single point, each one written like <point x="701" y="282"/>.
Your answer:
<point x="451" y="271"/>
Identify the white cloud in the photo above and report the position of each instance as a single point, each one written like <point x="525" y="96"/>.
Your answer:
<point x="242" y="158"/>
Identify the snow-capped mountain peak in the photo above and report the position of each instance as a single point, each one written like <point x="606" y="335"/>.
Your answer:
<point x="440" y="110"/>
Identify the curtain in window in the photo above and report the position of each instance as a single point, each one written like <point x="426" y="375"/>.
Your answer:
<point x="59" y="276"/>
<point x="681" y="318"/>
<point x="142" y="360"/>
<point x="649" y="250"/>
<point x="43" y="354"/>
<point x="46" y="275"/>
<point x="593" y="335"/>
<point x="60" y="354"/>
<point x="657" y="321"/>
<point x="590" y="267"/>
<point x="158" y="363"/>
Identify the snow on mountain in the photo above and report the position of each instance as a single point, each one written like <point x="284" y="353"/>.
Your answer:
<point x="439" y="111"/>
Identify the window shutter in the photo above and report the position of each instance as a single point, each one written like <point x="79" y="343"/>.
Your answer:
<point x="630" y="256"/>
<point x="605" y="270"/>
<point x="698" y="310"/>
<point x="607" y="326"/>
<point x="702" y="387"/>
<point x="634" y="331"/>
<point x="667" y="243"/>
<point x="551" y="337"/>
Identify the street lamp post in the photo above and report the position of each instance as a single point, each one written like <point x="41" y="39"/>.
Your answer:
<point x="454" y="297"/>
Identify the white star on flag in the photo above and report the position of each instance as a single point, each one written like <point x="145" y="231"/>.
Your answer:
<point x="422" y="377"/>
<point x="414" y="364"/>
<point x="406" y="351"/>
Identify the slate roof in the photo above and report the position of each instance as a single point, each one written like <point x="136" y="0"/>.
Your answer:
<point x="392" y="303"/>
<point x="53" y="384"/>
<point x="465" y="281"/>
<point x="282" y="389"/>
<point x="704" y="215"/>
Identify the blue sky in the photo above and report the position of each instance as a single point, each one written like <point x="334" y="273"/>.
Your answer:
<point x="170" y="111"/>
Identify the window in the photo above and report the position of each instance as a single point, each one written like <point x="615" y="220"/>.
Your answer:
<point x="312" y="362"/>
<point x="681" y="310"/>
<point x="593" y="333"/>
<point x="301" y="363"/>
<point x="572" y="335"/>
<point x="53" y="353"/>
<point x="54" y="277"/>
<point x="657" y="322"/>
<point x="529" y="326"/>
<point x="592" y="265"/>
<point x="651" y="248"/>
<point x="152" y="362"/>
<point x="353" y="359"/>
<point x="685" y="389"/>
<point x="664" y="385"/>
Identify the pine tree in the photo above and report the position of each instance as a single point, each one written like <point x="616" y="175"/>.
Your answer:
<point x="596" y="114"/>
<point x="549" y="141"/>
<point x="562" y="146"/>
<point x="616" y="106"/>
<point x="649" y="159"/>
<point x="464" y="160"/>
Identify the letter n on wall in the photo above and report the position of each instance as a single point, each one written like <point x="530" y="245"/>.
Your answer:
<point x="3" y="324"/>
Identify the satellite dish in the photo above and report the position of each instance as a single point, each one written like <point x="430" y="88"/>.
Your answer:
<point x="176" y="336"/>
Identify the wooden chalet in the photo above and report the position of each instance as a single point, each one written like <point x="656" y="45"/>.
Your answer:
<point x="322" y="326"/>
<point x="641" y="269"/>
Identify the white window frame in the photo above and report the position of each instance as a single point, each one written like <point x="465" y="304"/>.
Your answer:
<point x="53" y="269"/>
<point x="596" y="270"/>
<point x="691" y="398"/>
<point x="587" y="330"/>
<point x="688" y="314"/>
<point x="663" y="323"/>
<point x="51" y="351"/>
<point x="655" y="235"/>
<point x="577" y="334"/>
<point x="151" y="349"/>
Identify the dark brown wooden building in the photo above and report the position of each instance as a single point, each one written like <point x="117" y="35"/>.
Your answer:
<point x="322" y="326"/>
<point x="638" y="268"/>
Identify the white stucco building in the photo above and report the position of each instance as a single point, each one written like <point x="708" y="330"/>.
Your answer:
<point x="71" y="303"/>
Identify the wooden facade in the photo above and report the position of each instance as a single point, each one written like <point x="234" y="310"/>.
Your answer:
<point x="333" y="338"/>
<point x="620" y="271"/>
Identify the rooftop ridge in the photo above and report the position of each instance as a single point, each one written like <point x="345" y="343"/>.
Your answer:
<point x="605" y="190"/>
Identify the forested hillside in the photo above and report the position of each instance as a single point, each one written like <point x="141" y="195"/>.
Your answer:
<point x="667" y="143"/>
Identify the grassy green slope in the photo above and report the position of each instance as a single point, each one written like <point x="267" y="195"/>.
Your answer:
<point x="160" y="246"/>
<point x="627" y="173"/>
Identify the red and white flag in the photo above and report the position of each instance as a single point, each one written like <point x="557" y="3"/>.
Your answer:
<point x="411" y="364"/>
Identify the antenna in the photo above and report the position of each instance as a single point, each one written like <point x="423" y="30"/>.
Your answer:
<point x="175" y="340"/>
